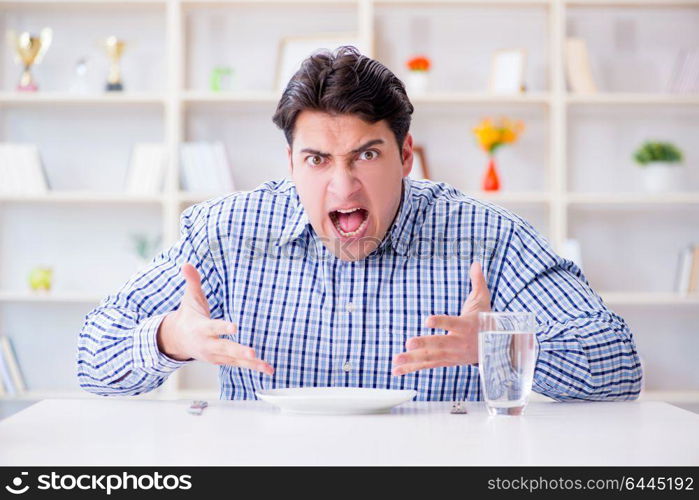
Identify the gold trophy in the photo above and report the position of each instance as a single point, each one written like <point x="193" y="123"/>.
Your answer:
<point x="29" y="50"/>
<point x="115" y="48"/>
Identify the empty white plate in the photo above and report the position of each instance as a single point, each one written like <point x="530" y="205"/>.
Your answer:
<point x="336" y="400"/>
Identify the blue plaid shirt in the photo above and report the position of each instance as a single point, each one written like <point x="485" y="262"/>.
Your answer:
<point x="321" y="321"/>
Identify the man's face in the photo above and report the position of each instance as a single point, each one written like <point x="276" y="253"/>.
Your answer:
<point x="348" y="174"/>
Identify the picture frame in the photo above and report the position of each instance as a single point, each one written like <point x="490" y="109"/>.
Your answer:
<point x="420" y="169"/>
<point x="293" y="50"/>
<point x="579" y="67"/>
<point x="507" y="71"/>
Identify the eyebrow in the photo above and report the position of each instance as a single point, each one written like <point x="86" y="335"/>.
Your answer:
<point x="361" y="148"/>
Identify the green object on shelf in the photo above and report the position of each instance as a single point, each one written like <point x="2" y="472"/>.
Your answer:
<point x="41" y="278"/>
<point x="145" y="246"/>
<point x="220" y="78"/>
<point x="653" y="151"/>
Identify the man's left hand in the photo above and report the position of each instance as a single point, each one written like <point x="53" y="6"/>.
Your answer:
<point x="460" y="345"/>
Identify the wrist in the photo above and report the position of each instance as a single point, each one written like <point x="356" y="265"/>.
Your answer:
<point x="167" y="340"/>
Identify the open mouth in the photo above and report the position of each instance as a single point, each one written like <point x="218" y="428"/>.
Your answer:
<point x="350" y="222"/>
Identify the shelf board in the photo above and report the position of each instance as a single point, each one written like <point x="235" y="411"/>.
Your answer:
<point x="185" y="197"/>
<point x="241" y="96"/>
<point x="678" y="198"/>
<point x="474" y="3"/>
<point x="218" y="3"/>
<point x="539" y="98"/>
<point x="507" y="196"/>
<point x="631" y="3"/>
<point x="82" y="3"/>
<point x="78" y="197"/>
<point x="58" y="297"/>
<point x="623" y="98"/>
<point x="649" y="298"/>
<point x="687" y="396"/>
<point x="272" y="97"/>
<point x="511" y="197"/>
<point x="477" y="3"/>
<point x="54" y="98"/>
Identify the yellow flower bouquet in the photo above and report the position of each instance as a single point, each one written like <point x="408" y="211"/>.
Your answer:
<point x="491" y="135"/>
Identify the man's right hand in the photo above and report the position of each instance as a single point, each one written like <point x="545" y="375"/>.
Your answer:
<point x="190" y="333"/>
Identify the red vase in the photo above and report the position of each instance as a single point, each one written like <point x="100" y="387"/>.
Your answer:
<point x="491" y="179"/>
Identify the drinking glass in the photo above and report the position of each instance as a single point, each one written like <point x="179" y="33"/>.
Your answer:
<point x="507" y="352"/>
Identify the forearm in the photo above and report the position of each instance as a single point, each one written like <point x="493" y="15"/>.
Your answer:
<point x="118" y="346"/>
<point x="117" y="356"/>
<point x="590" y="357"/>
<point x="586" y="351"/>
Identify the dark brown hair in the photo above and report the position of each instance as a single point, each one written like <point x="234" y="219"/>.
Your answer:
<point x="345" y="82"/>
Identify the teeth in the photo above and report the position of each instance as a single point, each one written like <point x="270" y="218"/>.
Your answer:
<point x="348" y="211"/>
<point x="353" y="233"/>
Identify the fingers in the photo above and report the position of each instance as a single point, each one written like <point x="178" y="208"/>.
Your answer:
<point x="458" y="347"/>
<point x="452" y="323"/>
<point x="479" y="298"/>
<point x="231" y="349"/>
<point x="409" y="367"/>
<point x="193" y="293"/>
<point x="227" y="352"/>
<point x="221" y="327"/>
<point x="424" y="355"/>
<point x="413" y="367"/>
<point x="444" y="350"/>
<point x="431" y="342"/>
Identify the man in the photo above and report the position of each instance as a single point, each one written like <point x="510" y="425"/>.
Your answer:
<point x="352" y="274"/>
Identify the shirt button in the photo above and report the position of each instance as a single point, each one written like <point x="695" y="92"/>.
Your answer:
<point x="347" y="366"/>
<point x="350" y="307"/>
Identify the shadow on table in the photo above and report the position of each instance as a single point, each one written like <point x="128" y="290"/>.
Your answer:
<point x="8" y="408"/>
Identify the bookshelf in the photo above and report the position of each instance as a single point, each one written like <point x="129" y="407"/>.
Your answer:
<point x="551" y="174"/>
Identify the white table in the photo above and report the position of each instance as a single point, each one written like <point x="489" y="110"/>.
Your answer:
<point x="142" y="432"/>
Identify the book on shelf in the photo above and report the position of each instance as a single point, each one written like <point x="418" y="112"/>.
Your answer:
<point x="21" y="171"/>
<point x="578" y="67"/>
<point x="146" y="169"/>
<point x="15" y="383"/>
<point x="205" y="168"/>
<point x="687" y="280"/>
<point x="6" y="378"/>
<point x="685" y="73"/>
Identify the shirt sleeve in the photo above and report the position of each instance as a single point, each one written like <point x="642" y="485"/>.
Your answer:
<point x="585" y="351"/>
<point x="117" y="348"/>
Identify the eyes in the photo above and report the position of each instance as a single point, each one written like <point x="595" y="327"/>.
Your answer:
<point x="373" y="154"/>
<point x="314" y="160"/>
<point x="317" y="160"/>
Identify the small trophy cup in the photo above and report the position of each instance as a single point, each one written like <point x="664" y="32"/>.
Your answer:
<point x="29" y="50"/>
<point x="115" y="48"/>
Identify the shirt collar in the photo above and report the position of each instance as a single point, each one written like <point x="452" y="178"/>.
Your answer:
<point x="401" y="230"/>
<point x="297" y="222"/>
<point x="400" y="233"/>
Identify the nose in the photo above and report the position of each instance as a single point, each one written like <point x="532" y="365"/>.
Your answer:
<point x="344" y="183"/>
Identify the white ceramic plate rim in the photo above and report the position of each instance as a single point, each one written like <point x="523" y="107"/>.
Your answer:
<point x="335" y="393"/>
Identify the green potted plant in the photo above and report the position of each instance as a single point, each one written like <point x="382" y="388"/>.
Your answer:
<point x="659" y="161"/>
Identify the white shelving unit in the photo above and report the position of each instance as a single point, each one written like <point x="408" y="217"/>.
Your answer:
<point x="649" y="299"/>
<point x="184" y="110"/>
<point x="53" y="297"/>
